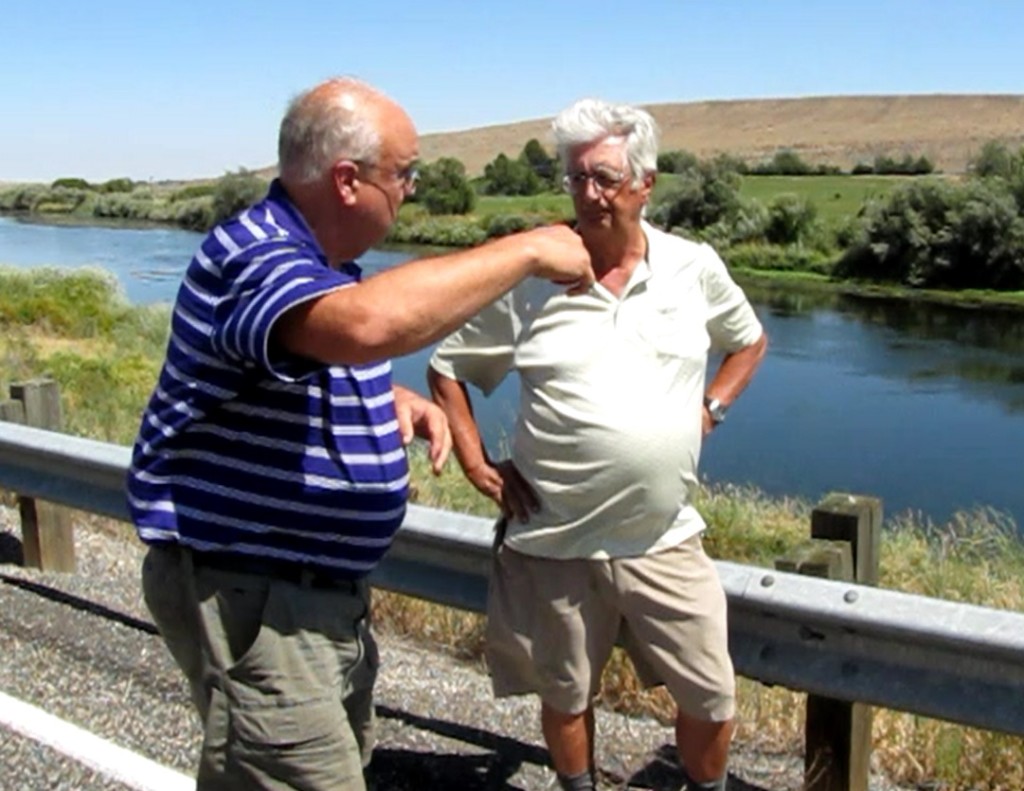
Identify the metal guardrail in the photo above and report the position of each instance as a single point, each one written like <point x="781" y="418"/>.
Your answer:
<point x="937" y="658"/>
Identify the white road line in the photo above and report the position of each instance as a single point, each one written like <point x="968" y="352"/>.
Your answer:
<point x="105" y="757"/>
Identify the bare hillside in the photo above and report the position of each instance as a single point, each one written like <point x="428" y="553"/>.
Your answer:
<point x="840" y="130"/>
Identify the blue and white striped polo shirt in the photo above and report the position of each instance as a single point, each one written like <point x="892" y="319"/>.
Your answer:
<point x="244" y="448"/>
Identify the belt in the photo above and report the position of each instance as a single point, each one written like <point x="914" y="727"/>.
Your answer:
<point x="301" y="574"/>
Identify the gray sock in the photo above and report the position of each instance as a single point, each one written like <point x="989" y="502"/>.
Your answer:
<point x="708" y="785"/>
<point x="584" y="781"/>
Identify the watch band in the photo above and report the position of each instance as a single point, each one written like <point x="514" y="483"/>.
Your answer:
<point x="716" y="409"/>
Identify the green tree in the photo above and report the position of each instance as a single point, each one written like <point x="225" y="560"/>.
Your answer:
<point x="71" y="183"/>
<point x="678" y="161"/>
<point x="505" y="176"/>
<point x="700" y="198"/>
<point x="934" y="234"/>
<point x="540" y="162"/>
<point x="235" y="191"/>
<point x="117" y="185"/>
<point x="994" y="160"/>
<point x="444" y="189"/>
<point x="784" y="163"/>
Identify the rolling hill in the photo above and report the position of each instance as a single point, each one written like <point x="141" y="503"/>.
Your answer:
<point x="839" y="130"/>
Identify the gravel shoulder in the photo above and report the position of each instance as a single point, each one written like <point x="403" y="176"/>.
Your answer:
<point x="80" y="646"/>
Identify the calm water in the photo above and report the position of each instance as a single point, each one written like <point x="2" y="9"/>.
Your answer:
<point x="920" y="405"/>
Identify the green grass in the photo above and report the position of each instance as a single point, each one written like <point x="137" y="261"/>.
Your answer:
<point x="106" y="360"/>
<point x="836" y="197"/>
<point x="558" y="204"/>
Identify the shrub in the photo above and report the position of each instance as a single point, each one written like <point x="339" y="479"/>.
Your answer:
<point x="939" y="235"/>
<point x="791" y="220"/>
<point x="191" y="191"/>
<point x="82" y="302"/>
<point x="677" y="162"/>
<point x="445" y="231"/>
<point x="997" y="161"/>
<point x="71" y="183"/>
<point x="117" y="185"/>
<point x="195" y="214"/>
<point x="123" y="206"/>
<point x="444" y="189"/>
<point x="505" y="224"/>
<point x="24" y="198"/>
<point x="785" y="163"/>
<point x="62" y="200"/>
<point x="700" y="199"/>
<point x="778" y="258"/>
<point x="234" y="192"/>
<point x="907" y="166"/>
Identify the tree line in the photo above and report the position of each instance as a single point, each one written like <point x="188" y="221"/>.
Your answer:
<point x="932" y="233"/>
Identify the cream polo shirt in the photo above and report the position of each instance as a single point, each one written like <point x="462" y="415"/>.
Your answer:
<point x="611" y="392"/>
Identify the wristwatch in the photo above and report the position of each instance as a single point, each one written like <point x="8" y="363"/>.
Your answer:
<point x="716" y="409"/>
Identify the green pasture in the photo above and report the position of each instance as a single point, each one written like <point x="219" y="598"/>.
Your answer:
<point x="554" y="203"/>
<point x="836" y="197"/>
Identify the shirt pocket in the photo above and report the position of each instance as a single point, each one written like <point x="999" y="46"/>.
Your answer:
<point x="673" y="332"/>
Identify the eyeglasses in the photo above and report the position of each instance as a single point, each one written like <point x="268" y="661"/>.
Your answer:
<point x="408" y="178"/>
<point x="605" y="181"/>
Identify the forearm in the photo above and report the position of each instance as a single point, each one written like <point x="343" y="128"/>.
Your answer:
<point x="453" y="397"/>
<point x="736" y="371"/>
<point x="405" y="308"/>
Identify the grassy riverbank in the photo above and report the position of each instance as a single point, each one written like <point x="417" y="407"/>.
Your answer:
<point x="105" y="355"/>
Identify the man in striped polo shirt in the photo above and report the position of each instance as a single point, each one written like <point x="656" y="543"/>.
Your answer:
<point x="269" y="474"/>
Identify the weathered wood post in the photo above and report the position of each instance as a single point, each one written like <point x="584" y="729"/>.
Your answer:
<point x="845" y="537"/>
<point x="48" y="540"/>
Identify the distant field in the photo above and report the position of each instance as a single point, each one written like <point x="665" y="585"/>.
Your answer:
<point x="549" y="203"/>
<point x="836" y="197"/>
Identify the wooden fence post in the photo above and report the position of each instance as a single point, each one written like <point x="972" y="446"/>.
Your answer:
<point x="845" y="536"/>
<point x="48" y="540"/>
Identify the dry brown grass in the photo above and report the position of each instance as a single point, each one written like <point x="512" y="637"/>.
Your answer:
<point x="839" y="130"/>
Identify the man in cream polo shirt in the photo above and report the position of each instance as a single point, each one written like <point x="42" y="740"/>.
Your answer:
<point x="599" y="537"/>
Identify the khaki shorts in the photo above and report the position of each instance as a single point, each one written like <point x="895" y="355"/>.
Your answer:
<point x="552" y="625"/>
<point x="281" y="674"/>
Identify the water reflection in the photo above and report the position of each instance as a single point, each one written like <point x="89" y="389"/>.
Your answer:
<point x="917" y="403"/>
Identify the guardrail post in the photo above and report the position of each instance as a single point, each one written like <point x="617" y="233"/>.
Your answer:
<point x="48" y="540"/>
<point x="845" y="537"/>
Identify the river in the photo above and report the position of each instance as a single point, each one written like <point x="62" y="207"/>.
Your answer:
<point x="921" y="405"/>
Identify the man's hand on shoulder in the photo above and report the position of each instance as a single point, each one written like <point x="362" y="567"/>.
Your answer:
<point x="424" y="419"/>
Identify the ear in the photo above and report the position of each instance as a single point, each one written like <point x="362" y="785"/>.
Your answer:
<point x="648" y="185"/>
<point x="345" y="176"/>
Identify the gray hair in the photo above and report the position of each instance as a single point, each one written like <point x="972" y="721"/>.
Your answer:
<point x="591" y="120"/>
<point x="325" y="124"/>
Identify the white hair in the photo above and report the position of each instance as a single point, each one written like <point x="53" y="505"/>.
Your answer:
<point x="325" y="124"/>
<point x="592" y="120"/>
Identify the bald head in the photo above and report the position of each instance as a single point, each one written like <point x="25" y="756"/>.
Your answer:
<point x="342" y="118"/>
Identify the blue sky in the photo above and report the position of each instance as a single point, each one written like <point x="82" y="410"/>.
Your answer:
<point x="154" y="90"/>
